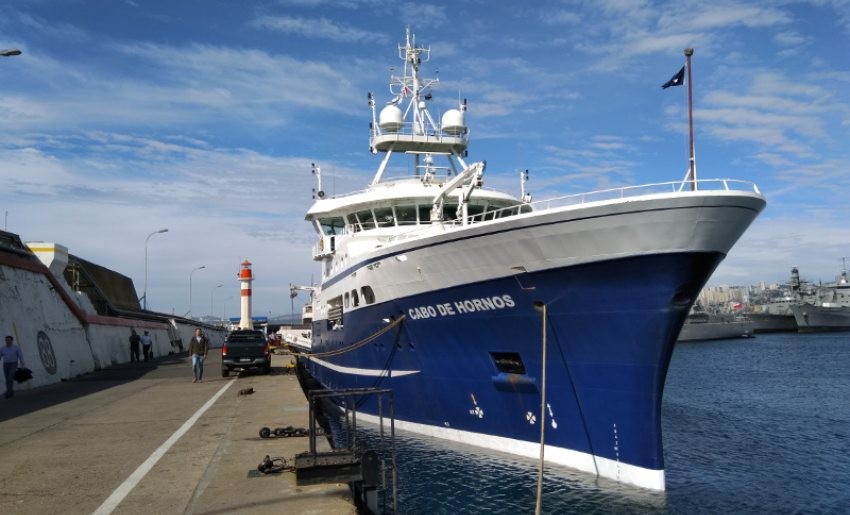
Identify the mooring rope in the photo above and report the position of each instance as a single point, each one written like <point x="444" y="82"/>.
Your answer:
<point x="579" y="402"/>
<point x="354" y="346"/>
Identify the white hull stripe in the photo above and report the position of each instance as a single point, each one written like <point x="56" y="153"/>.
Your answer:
<point x="371" y="372"/>
<point x="605" y="467"/>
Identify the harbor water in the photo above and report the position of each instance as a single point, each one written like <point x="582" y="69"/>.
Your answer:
<point x="758" y="425"/>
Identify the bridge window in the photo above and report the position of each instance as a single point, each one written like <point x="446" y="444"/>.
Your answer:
<point x="367" y="219"/>
<point x="384" y="217"/>
<point x="406" y="215"/>
<point x="333" y="225"/>
<point x="450" y="211"/>
<point x="474" y="211"/>
<point x="424" y="214"/>
<point x="352" y="221"/>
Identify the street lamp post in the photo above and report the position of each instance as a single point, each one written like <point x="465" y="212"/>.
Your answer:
<point x="212" y="294"/>
<point x="224" y="308"/>
<point x="9" y="52"/>
<point x="190" y="286"/>
<point x="145" y="297"/>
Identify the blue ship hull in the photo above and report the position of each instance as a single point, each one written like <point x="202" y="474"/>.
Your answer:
<point x="468" y="358"/>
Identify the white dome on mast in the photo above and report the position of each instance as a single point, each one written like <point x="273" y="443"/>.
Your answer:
<point x="391" y="119"/>
<point x="453" y="122"/>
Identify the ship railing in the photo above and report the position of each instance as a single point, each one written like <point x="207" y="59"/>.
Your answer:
<point x="384" y="180"/>
<point x="620" y="193"/>
<point x="682" y="187"/>
<point x="414" y="129"/>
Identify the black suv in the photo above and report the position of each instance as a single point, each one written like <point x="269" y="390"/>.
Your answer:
<point x="244" y="349"/>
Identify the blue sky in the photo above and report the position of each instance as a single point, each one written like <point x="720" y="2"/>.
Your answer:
<point x="203" y="116"/>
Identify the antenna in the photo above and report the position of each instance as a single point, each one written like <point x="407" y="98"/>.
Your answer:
<point x="317" y="192"/>
<point x="523" y="178"/>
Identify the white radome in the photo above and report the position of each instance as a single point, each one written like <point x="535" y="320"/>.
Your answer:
<point x="391" y="119"/>
<point x="452" y="122"/>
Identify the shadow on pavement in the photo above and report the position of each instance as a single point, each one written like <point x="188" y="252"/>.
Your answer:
<point x="164" y="367"/>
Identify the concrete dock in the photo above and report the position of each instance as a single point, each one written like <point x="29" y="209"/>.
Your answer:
<point x="142" y="438"/>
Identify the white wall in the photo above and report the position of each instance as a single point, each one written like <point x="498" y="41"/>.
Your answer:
<point x="56" y="345"/>
<point x="52" y="339"/>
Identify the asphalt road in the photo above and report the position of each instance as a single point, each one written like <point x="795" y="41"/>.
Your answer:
<point x="91" y="444"/>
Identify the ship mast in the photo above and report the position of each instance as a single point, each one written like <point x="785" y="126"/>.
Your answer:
<point x="405" y="125"/>
<point x="410" y="85"/>
<point x="692" y="163"/>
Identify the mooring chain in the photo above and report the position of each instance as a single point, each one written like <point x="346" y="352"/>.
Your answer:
<point x="353" y="346"/>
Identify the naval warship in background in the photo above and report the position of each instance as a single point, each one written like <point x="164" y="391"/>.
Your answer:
<point x="703" y="324"/>
<point x="823" y="307"/>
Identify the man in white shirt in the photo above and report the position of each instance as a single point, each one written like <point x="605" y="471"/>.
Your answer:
<point x="11" y="356"/>
<point x="146" y="345"/>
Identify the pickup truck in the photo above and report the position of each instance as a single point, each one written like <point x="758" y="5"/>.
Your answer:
<point x="244" y="349"/>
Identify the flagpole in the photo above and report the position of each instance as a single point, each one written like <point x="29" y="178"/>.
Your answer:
<point x="692" y="171"/>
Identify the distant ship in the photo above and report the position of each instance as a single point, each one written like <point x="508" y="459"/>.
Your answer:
<point x="702" y="325"/>
<point x="455" y="296"/>
<point x="825" y="308"/>
<point x="774" y="316"/>
<point x="773" y="322"/>
<point x="298" y="337"/>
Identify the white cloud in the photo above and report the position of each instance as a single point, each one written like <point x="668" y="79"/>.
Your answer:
<point x="58" y="30"/>
<point x="347" y="4"/>
<point x="640" y="28"/>
<point x="183" y="85"/>
<point x="787" y="118"/>
<point x="789" y="38"/>
<point x="560" y="17"/>
<point x="773" y="245"/>
<point x="722" y="15"/>
<point x="221" y="205"/>
<point x="422" y="14"/>
<point x="319" y="28"/>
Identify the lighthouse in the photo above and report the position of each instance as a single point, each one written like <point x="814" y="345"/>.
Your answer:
<point x="245" y="277"/>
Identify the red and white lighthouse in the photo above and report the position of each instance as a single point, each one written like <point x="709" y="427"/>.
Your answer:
<point x="246" y="277"/>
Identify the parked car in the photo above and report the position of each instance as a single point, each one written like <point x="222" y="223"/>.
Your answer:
<point x="244" y="349"/>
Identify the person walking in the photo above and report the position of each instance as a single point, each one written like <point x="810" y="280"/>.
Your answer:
<point x="134" y="345"/>
<point x="12" y="357"/>
<point x="146" y="345"/>
<point x="199" y="346"/>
